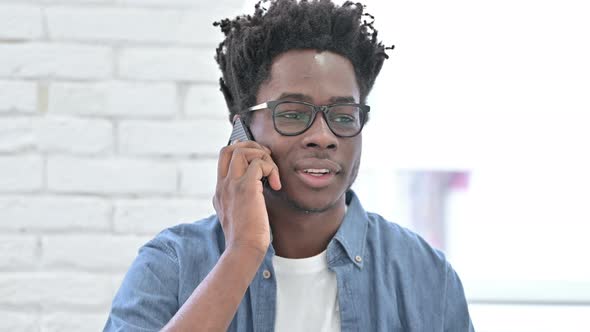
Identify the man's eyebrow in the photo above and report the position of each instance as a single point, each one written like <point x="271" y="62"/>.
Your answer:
<point x="348" y="99"/>
<point x="303" y="97"/>
<point x="296" y="96"/>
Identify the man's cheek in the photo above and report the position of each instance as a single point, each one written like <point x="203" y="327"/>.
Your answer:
<point x="354" y="171"/>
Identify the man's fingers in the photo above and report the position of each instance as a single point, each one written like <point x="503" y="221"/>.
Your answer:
<point x="223" y="162"/>
<point x="226" y="153"/>
<point x="260" y="168"/>
<point x="235" y="160"/>
<point x="242" y="157"/>
<point x="274" y="180"/>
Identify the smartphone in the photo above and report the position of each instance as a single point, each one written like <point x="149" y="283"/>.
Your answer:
<point x="240" y="131"/>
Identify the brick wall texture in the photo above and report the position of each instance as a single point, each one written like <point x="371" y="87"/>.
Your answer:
<point x="110" y="124"/>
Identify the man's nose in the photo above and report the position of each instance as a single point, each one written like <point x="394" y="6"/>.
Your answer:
<point x="319" y="134"/>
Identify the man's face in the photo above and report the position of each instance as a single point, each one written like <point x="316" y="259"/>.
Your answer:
<point x="321" y="79"/>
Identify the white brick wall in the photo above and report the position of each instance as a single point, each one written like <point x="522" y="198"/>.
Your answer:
<point x="165" y="64"/>
<point x="49" y="290"/>
<point x="181" y="138"/>
<point x="21" y="173"/>
<point x="52" y="213"/>
<point x="149" y="216"/>
<point x="117" y="99"/>
<point x="110" y="176"/>
<point x="159" y="26"/>
<point x="55" y="60"/>
<point x="18" y="97"/>
<point x="18" y="322"/>
<point x="110" y="123"/>
<point x="72" y="322"/>
<point x="20" y="22"/>
<point x="198" y="177"/>
<point x="16" y="134"/>
<point x="201" y="102"/>
<point x="108" y="252"/>
<point x="18" y="251"/>
<point x="73" y="135"/>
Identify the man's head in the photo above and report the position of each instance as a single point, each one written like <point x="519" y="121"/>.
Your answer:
<point x="253" y="41"/>
<point x="313" y="52"/>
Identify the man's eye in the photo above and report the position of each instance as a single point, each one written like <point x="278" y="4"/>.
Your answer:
<point x="343" y="119"/>
<point x="292" y="115"/>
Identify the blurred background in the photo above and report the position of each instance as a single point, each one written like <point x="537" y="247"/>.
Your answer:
<point x="111" y="121"/>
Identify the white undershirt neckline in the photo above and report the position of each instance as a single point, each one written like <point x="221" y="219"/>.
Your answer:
<point x="306" y="294"/>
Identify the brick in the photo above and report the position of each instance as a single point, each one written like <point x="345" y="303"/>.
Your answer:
<point x="66" y="213"/>
<point x="199" y="178"/>
<point x="42" y="60"/>
<point x="18" y="321"/>
<point x="17" y="251"/>
<point x="21" y="173"/>
<point x="206" y="102"/>
<point x="91" y="252"/>
<point x="53" y="290"/>
<point x="75" y="2"/>
<point x="16" y="134"/>
<point x="172" y="64"/>
<point x="117" y="280"/>
<point x="173" y="138"/>
<point x="20" y="22"/>
<point x="132" y="25"/>
<point x="220" y="5"/>
<point x="115" y="98"/>
<point x="110" y="176"/>
<point x="73" y="322"/>
<point x="73" y="135"/>
<point x="18" y="97"/>
<point x="152" y="216"/>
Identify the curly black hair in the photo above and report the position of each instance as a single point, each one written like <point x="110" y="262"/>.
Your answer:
<point x="252" y="42"/>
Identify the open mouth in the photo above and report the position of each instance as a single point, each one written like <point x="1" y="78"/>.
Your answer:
<point x="317" y="171"/>
<point x="317" y="177"/>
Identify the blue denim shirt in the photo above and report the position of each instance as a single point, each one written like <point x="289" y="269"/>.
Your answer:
<point x="389" y="279"/>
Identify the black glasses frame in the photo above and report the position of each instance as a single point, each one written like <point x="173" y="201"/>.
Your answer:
<point x="365" y="109"/>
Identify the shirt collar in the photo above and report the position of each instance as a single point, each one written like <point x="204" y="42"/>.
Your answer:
<point x="351" y="235"/>
<point x="353" y="231"/>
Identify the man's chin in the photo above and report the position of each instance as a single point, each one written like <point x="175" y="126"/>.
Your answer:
<point x="308" y="208"/>
<point x="316" y="202"/>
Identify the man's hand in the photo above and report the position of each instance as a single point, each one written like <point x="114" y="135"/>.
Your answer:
<point x="241" y="209"/>
<point x="239" y="199"/>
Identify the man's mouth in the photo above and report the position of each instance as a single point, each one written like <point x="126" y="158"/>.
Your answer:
<point x="317" y="171"/>
<point x="316" y="177"/>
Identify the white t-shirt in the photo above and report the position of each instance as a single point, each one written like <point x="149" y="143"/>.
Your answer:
<point x="307" y="298"/>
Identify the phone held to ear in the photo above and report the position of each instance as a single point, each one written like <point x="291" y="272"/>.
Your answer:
<point x="240" y="132"/>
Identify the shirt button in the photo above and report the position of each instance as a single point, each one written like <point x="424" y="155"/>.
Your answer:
<point x="358" y="259"/>
<point x="266" y="274"/>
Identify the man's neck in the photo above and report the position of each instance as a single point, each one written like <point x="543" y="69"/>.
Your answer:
<point x="299" y="234"/>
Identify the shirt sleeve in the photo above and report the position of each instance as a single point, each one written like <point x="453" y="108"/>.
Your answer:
<point x="456" y="314"/>
<point x="148" y="297"/>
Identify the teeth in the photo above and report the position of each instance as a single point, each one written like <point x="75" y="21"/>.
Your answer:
<point x="314" y="171"/>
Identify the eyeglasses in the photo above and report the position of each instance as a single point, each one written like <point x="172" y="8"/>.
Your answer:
<point x="292" y="118"/>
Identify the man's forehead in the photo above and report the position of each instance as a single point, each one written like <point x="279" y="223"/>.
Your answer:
<point x="312" y="75"/>
<point x="320" y="58"/>
<point x="308" y="64"/>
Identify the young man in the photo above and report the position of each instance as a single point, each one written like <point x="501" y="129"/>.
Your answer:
<point x="291" y="248"/>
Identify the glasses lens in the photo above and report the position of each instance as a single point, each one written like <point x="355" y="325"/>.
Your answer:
<point x="345" y="120"/>
<point x="292" y="118"/>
